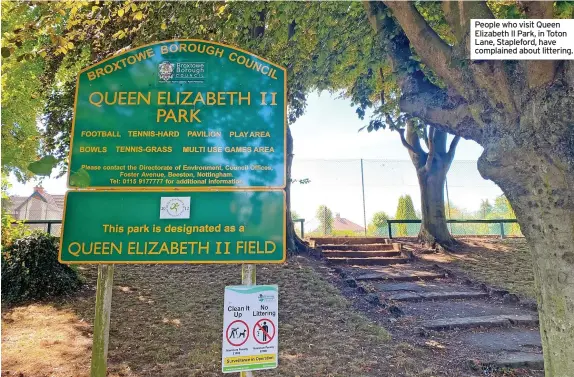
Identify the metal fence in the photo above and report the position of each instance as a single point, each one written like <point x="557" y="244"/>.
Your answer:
<point x="53" y="227"/>
<point x="356" y="197"/>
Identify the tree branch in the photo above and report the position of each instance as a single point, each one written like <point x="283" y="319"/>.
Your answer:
<point x="459" y="14"/>
<point x="401" y="132"/>
<point x="419" y="97"/>
<point x="426" y="136"/>
<point x="430" y="156"/>
<point x="434" y="106"/>
<point x="452" y="147"/>
<point x="539" y="72"/>
<point x="429" y="46"/>
<point x="490" y="76"/>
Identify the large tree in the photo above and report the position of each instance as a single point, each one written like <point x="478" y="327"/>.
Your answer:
<point x="521" y="113"/>
<point x="399" y="58"/>
<point x="431" y="167"/>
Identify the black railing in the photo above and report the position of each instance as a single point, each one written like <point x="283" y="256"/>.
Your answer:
<point x="302" y="221"/>
<point x="492" y="221"/>
<point x="37" y="222"/>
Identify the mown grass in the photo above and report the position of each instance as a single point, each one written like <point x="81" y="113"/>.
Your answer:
<point x="167" y="321"/>
<point x="505" y="263"/>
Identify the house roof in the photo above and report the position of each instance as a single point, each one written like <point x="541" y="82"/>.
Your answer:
<point x="341" y="223"/>
<point x="55" y="203"/>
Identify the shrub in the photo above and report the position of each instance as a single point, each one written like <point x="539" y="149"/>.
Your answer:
<point x="12" y="229"/>
<point x="30" y="270"/>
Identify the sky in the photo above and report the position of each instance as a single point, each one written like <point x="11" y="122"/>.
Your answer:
<point x="328" y="150"/>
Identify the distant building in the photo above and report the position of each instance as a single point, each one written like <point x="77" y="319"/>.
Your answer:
<point x="342" y="224"/>
<point x="38" y="206"/>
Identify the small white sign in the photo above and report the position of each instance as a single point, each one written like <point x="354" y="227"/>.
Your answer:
<point x="522" y="39"/>
<point x="175" y="207"/>
<point x="250" y="328"/>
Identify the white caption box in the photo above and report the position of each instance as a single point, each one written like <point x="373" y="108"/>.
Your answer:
<point x="521" y="39"/>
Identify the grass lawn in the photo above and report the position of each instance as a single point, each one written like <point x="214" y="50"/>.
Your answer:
<point x="505" y="263"/>
<point x="167" y="321"/>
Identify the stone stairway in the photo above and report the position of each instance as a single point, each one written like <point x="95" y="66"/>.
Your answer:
<point x="474" y="324"/>
<point x="369" y="251"/>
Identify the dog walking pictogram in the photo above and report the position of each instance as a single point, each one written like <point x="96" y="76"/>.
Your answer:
<point x="237" y="333"/>
<point x="264" y="331"/>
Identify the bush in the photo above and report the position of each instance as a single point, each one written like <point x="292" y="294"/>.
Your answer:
<point x="12" y="229"/>
<point x="30" y="270"/>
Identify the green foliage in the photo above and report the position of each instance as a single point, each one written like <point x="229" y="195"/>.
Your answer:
<point x="326" y="220"/>
<point x="405" y="211"/>
<point x="378" y="224"/>
<point x="485" y="209"/>
<point x="21" y="91"/>
<point x="80" y="178"/>
<point x="43" y="166"/>
<point x="30" y="270"/>
<point x="11" y="229"/>
<point x="294" y="215"/>
<point x="564" y="9"/>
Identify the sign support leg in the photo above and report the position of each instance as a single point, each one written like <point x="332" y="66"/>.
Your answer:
<point x="102" y="320"/>
<point x="248" y="277"/>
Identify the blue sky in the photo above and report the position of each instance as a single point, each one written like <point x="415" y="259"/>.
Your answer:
<point x="328" y="149"/>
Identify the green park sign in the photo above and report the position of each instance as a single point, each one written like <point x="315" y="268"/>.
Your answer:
<point x="180" y="114"/>
<point x="173" y="227"/>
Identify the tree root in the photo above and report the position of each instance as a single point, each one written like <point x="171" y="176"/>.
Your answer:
<point x="430" y="242"/>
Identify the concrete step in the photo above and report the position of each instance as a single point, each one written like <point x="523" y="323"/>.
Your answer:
<point x="318" y="241"/>
<point x="483" y="321"/>
<point x="518" y="360"/>
<point x="360" y="254"/>
<point x="361" y="247"/>
<point x="414" y="276"/>
<point x="426" y="296"/>
<point x="367" y="261"/>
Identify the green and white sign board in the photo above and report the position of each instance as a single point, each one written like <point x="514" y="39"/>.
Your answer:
<point x="250" y="328"/>
<point x="173" y="227"/>
<point x="181" y="113"/>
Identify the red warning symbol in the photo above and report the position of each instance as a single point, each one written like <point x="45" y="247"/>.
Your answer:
<point x="237" y="333"/>
<point x="264" y="331"/>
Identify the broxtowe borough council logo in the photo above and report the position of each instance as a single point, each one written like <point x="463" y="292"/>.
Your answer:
<point x="174" y="207"/>
<point x="265" y="298"/>
<point x="189" y="72"/>
<point x="165" y="71"/>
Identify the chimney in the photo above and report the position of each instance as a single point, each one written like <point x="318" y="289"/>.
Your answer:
<point x="39" y="190"/>
<point x="338" y="215"/>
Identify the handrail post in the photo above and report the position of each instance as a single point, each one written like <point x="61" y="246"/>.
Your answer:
<point x="390" y="230"/>
<point x="502" y="230"/>
<point x="49" y="227"/>
<point x="302" y="228"/>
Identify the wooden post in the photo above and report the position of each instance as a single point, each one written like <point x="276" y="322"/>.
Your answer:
<point x="102" y="320"/>
<point x="248" y="277"/>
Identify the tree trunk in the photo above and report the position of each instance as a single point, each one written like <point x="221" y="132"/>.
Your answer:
<point x="431" y="168"/>
<point x="545" y="210"/>
<point x="433" y="225"/>
<point x="552" y="249"/>
<point x="536" y="172"/>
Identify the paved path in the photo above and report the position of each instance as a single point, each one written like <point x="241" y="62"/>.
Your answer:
<point x="459" y="318"/>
